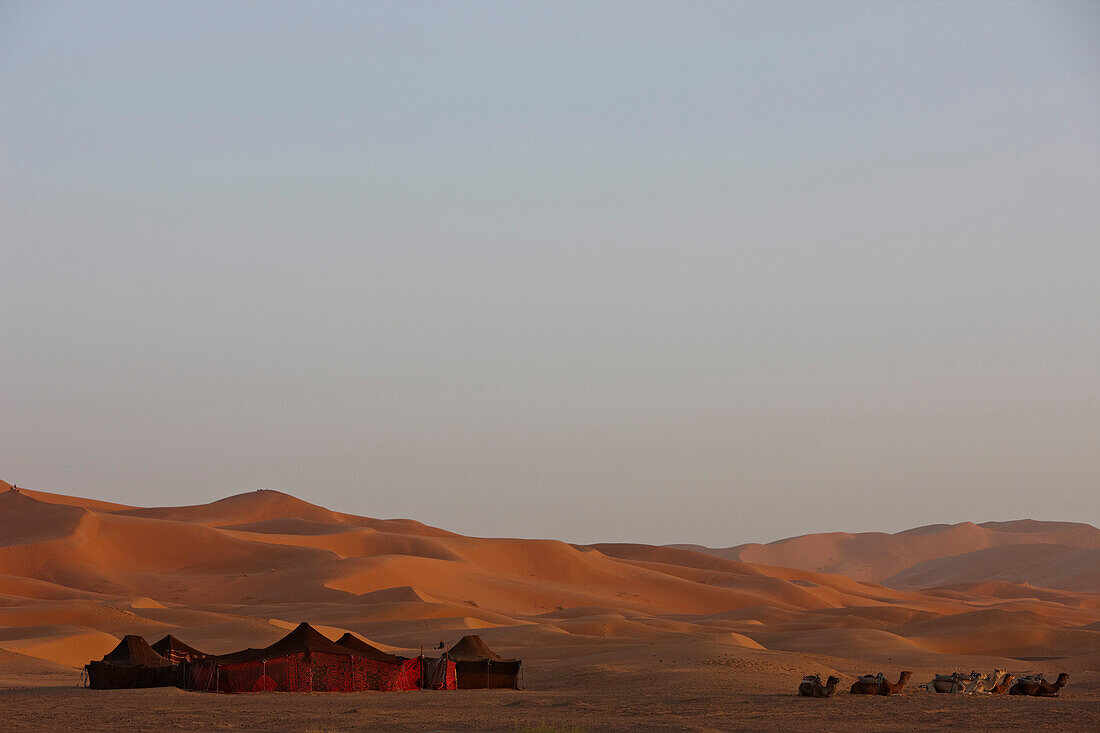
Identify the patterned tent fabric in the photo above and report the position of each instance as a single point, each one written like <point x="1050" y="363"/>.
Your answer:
<point x="311" y="672"/>
<point x="305" y="660"/>
<point x="308" y="673"/>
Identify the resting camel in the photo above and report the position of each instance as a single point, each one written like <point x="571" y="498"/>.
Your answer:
<point x="878" y="685"/>
<point x="1002" y="687"/>
<point x="811" y="686"/>
<point x="964" y="683"/>
<point x="1038" y="687"/>
<point x="947" y="683"/>
<point x="987" y="684"/>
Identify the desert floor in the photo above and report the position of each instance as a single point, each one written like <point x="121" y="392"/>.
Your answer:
<point x="669" y="685"/>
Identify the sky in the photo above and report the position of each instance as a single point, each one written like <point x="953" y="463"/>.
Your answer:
<point x="654" y="272"/>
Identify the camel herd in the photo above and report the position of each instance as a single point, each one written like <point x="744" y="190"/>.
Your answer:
<point x="997" y="683"/>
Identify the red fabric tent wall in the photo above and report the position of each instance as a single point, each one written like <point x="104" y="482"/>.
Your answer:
<point x="308" y="672"/>
<point x="307" y="661"/>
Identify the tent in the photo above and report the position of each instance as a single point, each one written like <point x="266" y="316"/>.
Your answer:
<point x="177" y="651"/>
<point x="305" y="660"/>
<point x="479" y="667"/>
<point x="360" y="648"/>
<point x="436" y="674"/>
<point x="132" y="663"/>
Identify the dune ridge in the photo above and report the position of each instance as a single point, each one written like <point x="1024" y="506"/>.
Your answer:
<point x="884" y="558"/>
<point x="76" y="575"/>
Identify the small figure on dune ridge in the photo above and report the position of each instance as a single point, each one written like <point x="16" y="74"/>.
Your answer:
<point x="811" y="686"/>
<point x="871" y="684"/>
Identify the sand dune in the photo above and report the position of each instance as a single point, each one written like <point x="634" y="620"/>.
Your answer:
<point x="76" y="575"/>
<point x="1047" y="565"/>
<point x="71" y="646"/>
<point x="878" y="557"/>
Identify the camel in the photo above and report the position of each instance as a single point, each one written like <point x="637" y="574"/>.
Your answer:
<point x="975" y="682"/>
<point x="948" y="683"/>
<point x="879" y="685"/>
<point x="811" y="686"/>
<point x="986" y="685"/>
<point x="1002" y="687"/>
<point x="1038" y="687"/>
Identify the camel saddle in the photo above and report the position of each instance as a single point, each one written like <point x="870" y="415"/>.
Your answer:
<point x="955" y="677"/>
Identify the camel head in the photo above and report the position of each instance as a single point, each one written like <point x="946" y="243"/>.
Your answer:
<point x="832" y="681"/>
<point x="997" y="674"/>
<point x="1062" y="680"/>
<point x="905" y="675"/>
<point x="1008" y="679"/>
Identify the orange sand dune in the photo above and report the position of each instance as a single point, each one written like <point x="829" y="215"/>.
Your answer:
<point x="996" y="632"/>
<point x="64" y="644"/>
<point x="1047" y="565"/>
<point x="77" y="574"/>
<point x="66" y="500"/>
<point x="878" y="556"/>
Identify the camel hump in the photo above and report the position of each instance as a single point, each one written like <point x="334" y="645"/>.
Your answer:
<point x="812" y="678"/>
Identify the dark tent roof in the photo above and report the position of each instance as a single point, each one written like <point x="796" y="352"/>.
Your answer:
<point x="360" y="648"/>
<point x="244" y="655"/>
<point x="134" y="651"/>
<point x="172" y="644"/>
<point x="473" y="649"/>
<point x="304" y="638"/>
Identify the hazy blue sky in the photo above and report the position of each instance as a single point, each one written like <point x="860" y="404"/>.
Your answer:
<point x="665" y="272"/>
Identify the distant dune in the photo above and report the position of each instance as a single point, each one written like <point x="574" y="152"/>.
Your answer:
<point x="76" y="575"/>
<point x="1048" y="565"/>
<point x="890" y="558"/>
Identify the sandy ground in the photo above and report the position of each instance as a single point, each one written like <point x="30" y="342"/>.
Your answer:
<point x="728" y="692"/>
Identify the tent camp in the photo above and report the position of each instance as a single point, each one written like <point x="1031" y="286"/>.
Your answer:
<point x="177" y="651"/>
<point x="132" y="663"/>
<point x="305" y="660"/>
<point x="478" y="666"/>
